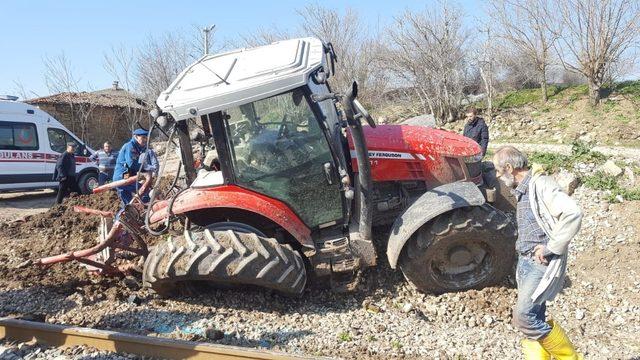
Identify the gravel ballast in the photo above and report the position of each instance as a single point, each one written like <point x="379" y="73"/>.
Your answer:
<point x="385" y="317"/>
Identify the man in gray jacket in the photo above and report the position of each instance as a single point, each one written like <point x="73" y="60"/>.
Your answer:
<point x="547" y="221"/>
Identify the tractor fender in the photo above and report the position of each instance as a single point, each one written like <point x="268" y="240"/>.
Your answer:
<point x="432" y="203"/>
<point x="231" y="196"/>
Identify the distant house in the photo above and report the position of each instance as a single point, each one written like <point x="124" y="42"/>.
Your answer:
<point x="98" y="116"/>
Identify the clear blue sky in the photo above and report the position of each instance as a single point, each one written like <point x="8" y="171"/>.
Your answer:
<point x="85" y="30"/>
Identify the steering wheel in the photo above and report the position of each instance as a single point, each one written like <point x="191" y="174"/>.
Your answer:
<point x="362" y="112"/>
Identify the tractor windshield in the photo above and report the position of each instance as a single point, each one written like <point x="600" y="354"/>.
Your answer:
<point x="279" y="149"/>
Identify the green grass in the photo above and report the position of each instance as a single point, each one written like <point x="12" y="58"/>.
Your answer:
<point x="344" y="336"/>
<point x="551" y="161"/>
<point x="520" y="97"/>
<point x="517" y="98"/>
<point x="580" y="152"/>
<point x="602" y="181"/>
<point x="396" y="345"/>
<point x="629" y="88"/>
<point x="623" y="119"/>
<point x="608" y="106"/>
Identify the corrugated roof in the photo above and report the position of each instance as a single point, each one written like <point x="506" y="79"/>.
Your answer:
<point x="107" y="97"/>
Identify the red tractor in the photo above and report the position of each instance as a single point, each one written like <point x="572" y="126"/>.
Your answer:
<point x="288" y="183"/>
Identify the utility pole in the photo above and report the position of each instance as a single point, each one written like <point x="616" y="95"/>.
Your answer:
<point x="206" y="32"/>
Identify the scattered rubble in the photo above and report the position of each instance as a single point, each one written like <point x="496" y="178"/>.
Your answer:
<point x="568" y="181"/>
<point x="610" y="168"/>
<point x="384" y="318"/>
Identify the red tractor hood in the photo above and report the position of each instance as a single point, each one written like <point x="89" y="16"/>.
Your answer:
<point x="408" y="152"/>
<point x="418" y="140"/>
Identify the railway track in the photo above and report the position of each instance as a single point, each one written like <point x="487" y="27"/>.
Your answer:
<point x="66" y="336"/>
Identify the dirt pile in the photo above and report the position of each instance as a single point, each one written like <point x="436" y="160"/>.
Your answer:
<point x="62" y="227"/>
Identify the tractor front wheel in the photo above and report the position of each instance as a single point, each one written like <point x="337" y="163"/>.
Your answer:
<point x="224" y="257"/>
<point x="467" y="248"/>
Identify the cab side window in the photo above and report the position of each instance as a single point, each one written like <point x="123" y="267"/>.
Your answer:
<point x="18" y="136"/>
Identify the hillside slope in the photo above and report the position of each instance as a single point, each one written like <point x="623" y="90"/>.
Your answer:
<point x="521" y="116"/>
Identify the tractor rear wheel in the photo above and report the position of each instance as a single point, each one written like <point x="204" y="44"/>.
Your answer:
<point x="224" y="258"/>
<point x="467" y="248"/>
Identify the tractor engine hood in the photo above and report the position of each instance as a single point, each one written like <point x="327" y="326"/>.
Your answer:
<point x="410" y="141"/>
<point x="408" y="152"/>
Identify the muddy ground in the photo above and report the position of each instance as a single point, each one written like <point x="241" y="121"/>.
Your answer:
<point x="384" y="317"/>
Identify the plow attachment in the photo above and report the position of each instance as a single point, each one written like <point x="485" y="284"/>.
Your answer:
<point x="118" y="241"/>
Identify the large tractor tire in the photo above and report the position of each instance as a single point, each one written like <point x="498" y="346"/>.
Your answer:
<point x="224" y="258"/>
<point x="467" y="248"/>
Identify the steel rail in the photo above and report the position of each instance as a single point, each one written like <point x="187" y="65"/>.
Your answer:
<point x="66" y="336"/>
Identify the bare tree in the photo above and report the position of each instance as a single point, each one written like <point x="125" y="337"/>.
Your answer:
<point x="21" y="91"/>
<point x="60" y="78"/>
<point x="486" y="60"/>
<point x="427" y="52"/>
<point x="519" y="71"/>
<point x="120" y="64"/>
<point x="523" y="24"/>
<point x="264" y="36"/>
<point x="595" y="35"/>
<point x="357" y="48"/>
<point x="159" y="60"/>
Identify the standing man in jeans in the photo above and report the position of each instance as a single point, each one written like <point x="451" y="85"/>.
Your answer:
<point x="65" y="173"/>
<point x="106" y="161"/>
<point x="547" y="221"/>
<point x="476" y="129"/>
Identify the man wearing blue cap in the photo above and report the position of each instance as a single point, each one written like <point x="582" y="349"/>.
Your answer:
<point x="128" y="163"/>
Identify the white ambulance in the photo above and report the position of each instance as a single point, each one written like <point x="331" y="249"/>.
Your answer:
<point x="30" y="143"/>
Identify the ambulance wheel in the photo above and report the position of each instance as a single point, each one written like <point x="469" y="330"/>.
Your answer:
<point x="87" y="182"/>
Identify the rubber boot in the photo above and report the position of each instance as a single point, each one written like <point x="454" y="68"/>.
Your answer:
<point x="532" y="350"/>
<point x="558" y="344"/>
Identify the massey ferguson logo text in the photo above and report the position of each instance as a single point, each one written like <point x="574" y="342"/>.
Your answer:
<point x="387" y="155"/>
<point x="16" y="155"/>
<point x="393" y="155"/>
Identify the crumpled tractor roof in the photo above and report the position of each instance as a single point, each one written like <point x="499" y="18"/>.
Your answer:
<point x="216" y="82"/>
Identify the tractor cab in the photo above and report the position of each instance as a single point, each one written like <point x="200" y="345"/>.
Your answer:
<point x="270" y="117"/>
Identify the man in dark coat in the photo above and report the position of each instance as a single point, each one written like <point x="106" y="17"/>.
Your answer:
<point x="476" y="129"/>
<point x="65" y="173"/>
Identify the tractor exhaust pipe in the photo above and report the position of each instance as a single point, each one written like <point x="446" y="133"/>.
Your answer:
<point x="364" y="166"/>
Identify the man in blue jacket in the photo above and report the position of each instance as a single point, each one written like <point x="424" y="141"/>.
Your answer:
<point x="128" y="164"/>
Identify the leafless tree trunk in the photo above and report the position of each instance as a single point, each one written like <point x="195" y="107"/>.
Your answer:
<point x="120" y="63"/>
<point x="159" y="60"/>
<point x="428" y="51"/>
<point x="486" y="58"/>
<point x="594" y="36"/>
<point x="59" y="78"/>
<point x="523" y="24"/>
<point x="357" y="49"/>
